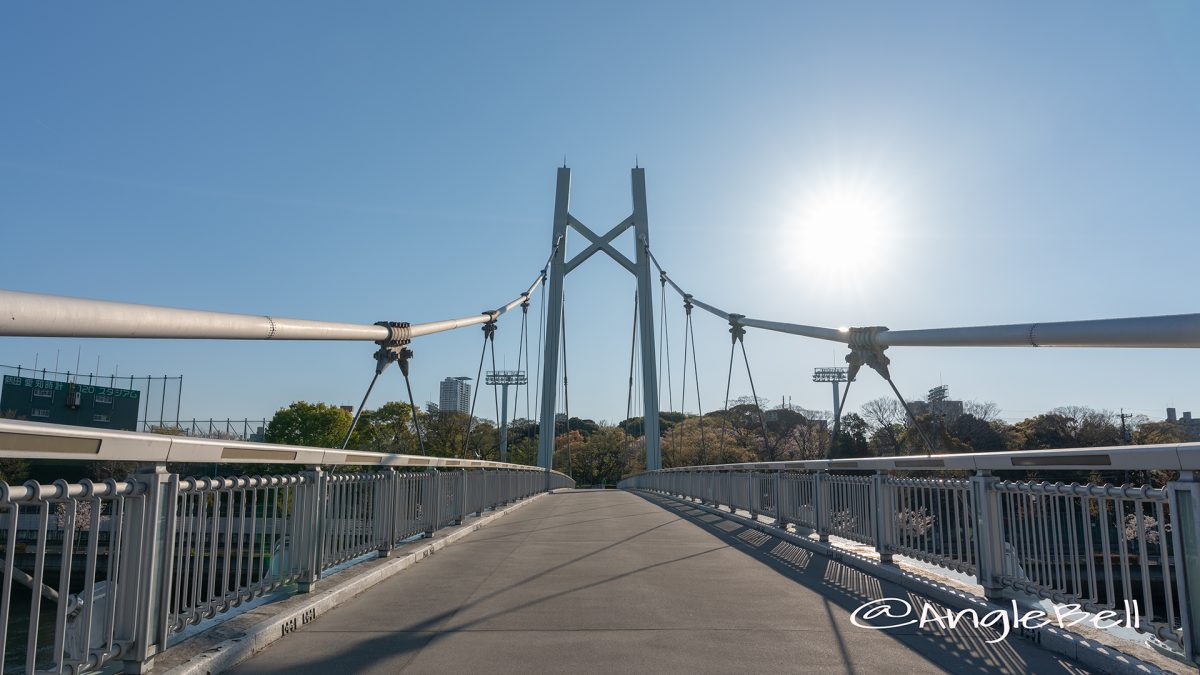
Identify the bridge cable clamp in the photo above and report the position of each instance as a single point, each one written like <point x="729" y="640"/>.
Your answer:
<point x="489" y="328"/>
<point x="736" y="330"/>
<point x="866" y="350"/>
<point x="393" y="348"/>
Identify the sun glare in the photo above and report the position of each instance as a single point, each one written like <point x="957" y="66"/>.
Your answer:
<point x="840" y="232"/>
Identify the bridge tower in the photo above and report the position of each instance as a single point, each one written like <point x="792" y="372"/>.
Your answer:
<point x="560" y="267"/>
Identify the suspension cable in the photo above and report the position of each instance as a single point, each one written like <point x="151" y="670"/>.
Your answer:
<point x="404" y="356"/>
<point x="523" y="348"/>
<point x="688" y="329"/>
<point x="741" y="334"/>
<point x="496" y="400"/>
<point x="664" y="345"/>
<point x="537" y="389"/>
<point x="725" y="414"/>
<point x="489" y="330"/>
<point x="354" y="422"/>
<point x="629" y="399"/>
<point x="566" y="390"/>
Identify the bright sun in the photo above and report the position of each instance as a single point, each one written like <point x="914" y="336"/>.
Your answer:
<point x="840" y="232"/>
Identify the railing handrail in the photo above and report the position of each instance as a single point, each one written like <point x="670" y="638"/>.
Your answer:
<point x="20" y="439"/>
<point x="1166" y="456"/>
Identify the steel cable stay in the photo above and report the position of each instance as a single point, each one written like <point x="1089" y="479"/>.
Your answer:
<point x="489" y="331"/>
<point x="537" y="389"/>
<point x="664" y="346"/>
<point x="523" y="350"/>
<point x="740" y="336"/>
<point x="664" y="354"/>
<point x="689" y="332"/>
<point x="404" y="356"/>
<point x="737" y="334"/>
<point x="725" y="411"/>
<point x="629" y="397"/>
<point x="565" y="389"/>
<point x="496" y="400"/>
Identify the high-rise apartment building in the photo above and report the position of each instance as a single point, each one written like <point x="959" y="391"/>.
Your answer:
<point x="455" y="395"/>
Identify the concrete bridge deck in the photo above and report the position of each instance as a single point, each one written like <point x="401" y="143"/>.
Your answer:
<point x="603" y="581"/>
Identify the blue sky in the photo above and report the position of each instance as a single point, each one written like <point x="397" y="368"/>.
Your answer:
<point x="1024" y="162"/>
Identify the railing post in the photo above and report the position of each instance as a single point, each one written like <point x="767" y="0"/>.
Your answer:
<point x="750" y="491"/>
<point x="780" y="521"/>
<point x="147" y="547"/>
<point x="460" y="498"/>
<point x="820" y="499"/>
<point x="1184" y="503"/>
<point x="989" y="536"/>
<point x="885" y="513"/>
<point x="310" y="526"/>
<point x="387" y="503"/>
<point x="435" y="511"/>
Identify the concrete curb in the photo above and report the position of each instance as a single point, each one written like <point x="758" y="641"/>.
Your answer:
<point x="1086" y="652"/>
<point x="254" y="638"/>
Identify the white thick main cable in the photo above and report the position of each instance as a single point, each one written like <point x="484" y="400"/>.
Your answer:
<point x="38" y="315"/>
<point x="1172" y="331"/>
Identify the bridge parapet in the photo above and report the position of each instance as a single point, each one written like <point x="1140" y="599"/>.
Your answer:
<point x="97" y="572"/>
<point x="1127" y="550"/>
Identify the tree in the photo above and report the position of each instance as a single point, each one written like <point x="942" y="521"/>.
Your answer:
<point x="388" y="428"/>
<point x="1045" y="431"/>
<point x="598" y="458"/>
<point x="852" y="438"/>
<point x="317" y="425"/>
<point x="987" y="411"/>
<point x="1149" y="433"/>
<point x="885" y="418"/>
<point x="977" y="433"/>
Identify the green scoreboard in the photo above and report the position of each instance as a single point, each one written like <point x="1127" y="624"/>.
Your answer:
<point x="82" y="405"/>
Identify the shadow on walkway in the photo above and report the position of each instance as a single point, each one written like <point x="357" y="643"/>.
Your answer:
<point x="962" y="649"/>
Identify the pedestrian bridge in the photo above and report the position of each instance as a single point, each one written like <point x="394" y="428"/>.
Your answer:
<point x="767" y="566"/>
<point x="614" y="581"/>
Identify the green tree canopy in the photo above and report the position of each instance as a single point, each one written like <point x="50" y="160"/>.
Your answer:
<point x="318" y="425"/>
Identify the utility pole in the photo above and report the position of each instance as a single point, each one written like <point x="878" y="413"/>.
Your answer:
<point x="1124" y="431"/>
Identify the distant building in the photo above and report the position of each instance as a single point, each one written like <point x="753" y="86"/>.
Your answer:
<point x="1190" y="424"/>
<point x="455" y="395"/>
<point x="938" y="404"/>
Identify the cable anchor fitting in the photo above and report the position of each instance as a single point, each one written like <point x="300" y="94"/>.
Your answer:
<point x="687" y="304"/>
<point x="736" y="330"/>
<point x="866" y="350"/>
<point x="489" y="328"/>
<point x="394" y="347"/>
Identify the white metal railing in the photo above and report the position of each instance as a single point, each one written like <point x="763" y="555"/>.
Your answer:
<point x="97" y="572"/>
<point x="1103" y="547"/>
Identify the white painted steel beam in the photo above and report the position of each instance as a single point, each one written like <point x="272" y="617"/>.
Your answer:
<point x="1170" y="456"/>
<point x="38" y="440"/>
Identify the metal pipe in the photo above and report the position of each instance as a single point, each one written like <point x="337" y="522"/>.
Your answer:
<point x="40" y="315"/>
<point x="1174" y="331"/>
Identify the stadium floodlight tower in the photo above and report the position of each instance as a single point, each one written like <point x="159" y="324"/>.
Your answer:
<point x="505" y="379"/>
<point x="835" y="375"/>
